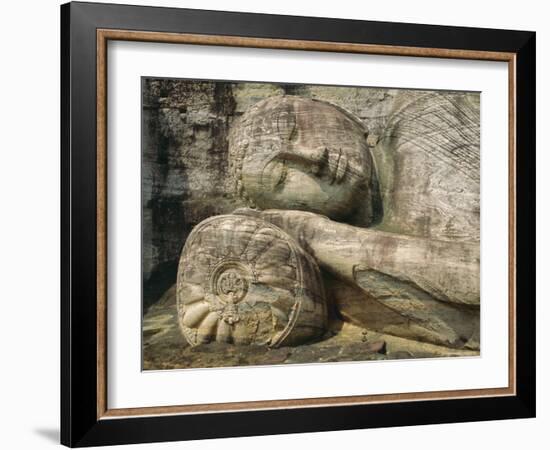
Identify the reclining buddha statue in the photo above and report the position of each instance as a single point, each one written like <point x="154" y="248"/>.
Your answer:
<point x="381" y="230"/>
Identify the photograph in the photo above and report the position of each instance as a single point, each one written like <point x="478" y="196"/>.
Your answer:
<point x="292" y="223"/>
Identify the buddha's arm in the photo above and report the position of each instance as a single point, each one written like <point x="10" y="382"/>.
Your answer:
<point x="447" y="271"/>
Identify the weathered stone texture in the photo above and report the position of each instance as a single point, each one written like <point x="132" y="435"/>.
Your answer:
<point x="414" y="272"/>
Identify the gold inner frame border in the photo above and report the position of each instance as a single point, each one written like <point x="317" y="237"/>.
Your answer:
<point x="105" y="35"/>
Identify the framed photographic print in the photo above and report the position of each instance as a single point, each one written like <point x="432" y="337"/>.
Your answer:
<point x="277" y="224"/>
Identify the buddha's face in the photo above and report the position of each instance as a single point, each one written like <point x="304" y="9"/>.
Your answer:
<point x="303" y="154"/>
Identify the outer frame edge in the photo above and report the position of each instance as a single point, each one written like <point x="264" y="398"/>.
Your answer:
<point x="526" y="223"/>
<point x="65" y="334"/>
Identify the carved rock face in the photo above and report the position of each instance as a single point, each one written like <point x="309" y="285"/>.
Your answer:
<point x="242" y="280"/>
<point x="294" y="153"/>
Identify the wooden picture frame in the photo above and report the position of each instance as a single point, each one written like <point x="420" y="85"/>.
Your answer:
<point x="86" y="418"/>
